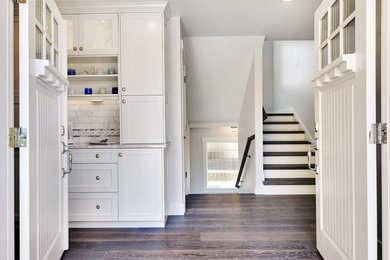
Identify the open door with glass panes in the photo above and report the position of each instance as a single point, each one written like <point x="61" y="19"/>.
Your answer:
<point x="44" y="160"/>
<point x="345" y="105"/>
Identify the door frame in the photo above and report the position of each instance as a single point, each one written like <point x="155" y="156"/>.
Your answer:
<point x="6" y="115"/>
<point x="385" y="106"/>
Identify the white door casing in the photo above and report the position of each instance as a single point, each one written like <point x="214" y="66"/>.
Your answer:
<point x="345" y="106"/>
<point x="385" y="103"/>
<point x="6" y="119"/>
<point x="43" y="87"/>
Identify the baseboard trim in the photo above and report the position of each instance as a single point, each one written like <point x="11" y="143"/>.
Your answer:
<point x="176" y="209"/>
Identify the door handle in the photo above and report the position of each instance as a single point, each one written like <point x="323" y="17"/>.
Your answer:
<point x="309" y="158"/>
<point x="67" y="152"/>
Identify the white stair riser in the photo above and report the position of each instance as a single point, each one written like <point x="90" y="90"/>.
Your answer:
<point x="284" y="127"/>
<point x="287" y="189"/>
<point x="280" y="119"/>
<point x="289" y="174"/>
<point x="284" y="137"/>
<point x="287" y="160"/>
<point x="286" y="147"/>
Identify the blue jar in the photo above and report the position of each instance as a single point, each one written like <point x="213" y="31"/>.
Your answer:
<point x="71" y="72"/>
<point x="88" y="91"/>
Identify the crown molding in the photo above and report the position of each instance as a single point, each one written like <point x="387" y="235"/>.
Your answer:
<point x="119" y="6"/>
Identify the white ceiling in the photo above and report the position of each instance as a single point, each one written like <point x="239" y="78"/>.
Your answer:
<point x="275" y="19"/>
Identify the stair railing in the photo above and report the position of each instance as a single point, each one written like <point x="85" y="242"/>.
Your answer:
<point x="246" y="151"/>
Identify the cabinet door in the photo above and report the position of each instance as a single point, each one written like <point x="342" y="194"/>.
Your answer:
<point x="72" y="34"/>
<point x="142" y="54"/>
<point x="98" y="34"/>
<point x="141" y="185"/>
<point x="142" y="120"/>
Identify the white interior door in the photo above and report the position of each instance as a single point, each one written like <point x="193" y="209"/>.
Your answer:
<point x="345" y="107"/>
<point x="43" y="86"/>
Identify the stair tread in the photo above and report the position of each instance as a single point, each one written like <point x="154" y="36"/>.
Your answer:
<point x="280" y="114"/>
<point x="286" y="142"/>
<point x="280" y="123"/>
<point x="289" y="181"/>
<point x="284" y="132"/>
<point x="286" y="166"/>
<point x="286" y="154"/>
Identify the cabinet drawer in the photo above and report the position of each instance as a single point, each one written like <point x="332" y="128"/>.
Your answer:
<point x="94" y="156"/>
<point x="94" y="178"/>
<point x="93" y="206"/>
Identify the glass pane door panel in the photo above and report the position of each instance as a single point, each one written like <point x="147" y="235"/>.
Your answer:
<point x="48" y="51"/>
<point x="48" y="22"/>
<point x="324" y="56"/>
<point x="324" y="28"/>
<point x="349" y="38"/>
<point x="38" y="43"/>
<point x="39" y="10"/>
<point x="335" y="47"/>
<point x="55" y="32"/>
<point x="349" y="7"/>
<point x="98" y="34"/>
<point x="222" y="164"/>
<point x="335" y="15"/>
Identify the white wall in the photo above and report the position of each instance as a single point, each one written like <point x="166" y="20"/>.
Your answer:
<point x="196" y="144"/>
<point x="175" y="125"/>
<point x="217" y="69"/>
<point x="268" y="76"/>
<point x="293" y="70"/>
<point x="246" y="128"/>
<point x="6" y="119"/>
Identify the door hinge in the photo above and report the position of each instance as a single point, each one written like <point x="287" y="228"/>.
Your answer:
<point x="17" y="137"/>
<point x="378" y="133"/>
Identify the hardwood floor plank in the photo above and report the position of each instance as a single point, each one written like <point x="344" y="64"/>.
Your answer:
<point x="214" y="227"/>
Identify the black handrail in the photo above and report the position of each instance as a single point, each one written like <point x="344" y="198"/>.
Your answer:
<point x="246" y="151"/>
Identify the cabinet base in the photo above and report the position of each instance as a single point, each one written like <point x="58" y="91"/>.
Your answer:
<point x="116" y="224"/>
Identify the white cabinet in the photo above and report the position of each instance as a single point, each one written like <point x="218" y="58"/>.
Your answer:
<point x="92" y="34"/>
<point x="142" y="54"/>
<point x="93" y="207"/>
<point x="141" y="185"/>
<point x="142" y="119"/>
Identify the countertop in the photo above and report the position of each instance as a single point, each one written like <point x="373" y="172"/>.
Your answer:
<point x="116" y="146"/>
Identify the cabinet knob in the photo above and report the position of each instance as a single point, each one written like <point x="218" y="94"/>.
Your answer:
<point x="120" y="154"/>
<point x="123" y="89"/>
<point x="97" y="206"/>
<point x="124" y="101"/>
<point x="97" y="178"/>
<point x="97" y="155"/>
<point x="81" y="48"/>
<point x="75" y="48"/>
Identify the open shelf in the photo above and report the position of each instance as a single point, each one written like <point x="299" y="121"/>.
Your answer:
<point x="94" y="97"/>
<point x="93" y="77"/>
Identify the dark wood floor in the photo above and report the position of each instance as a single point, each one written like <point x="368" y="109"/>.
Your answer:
<point x="214" y="227"/>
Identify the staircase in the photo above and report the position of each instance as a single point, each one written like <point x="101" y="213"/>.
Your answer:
<point x="285" y="146"/>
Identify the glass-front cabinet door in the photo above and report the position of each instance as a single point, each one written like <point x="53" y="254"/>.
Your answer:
<point x="98" y="34"/>
<point x="93" y="34"/>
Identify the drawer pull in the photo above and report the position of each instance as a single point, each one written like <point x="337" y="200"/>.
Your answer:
<point x="123" y="101"/>
<point x="97" y="155"/>
<point x="123" y="89"/>
<point x="97" y="178"/>
<point x="120" y="154"/>
<point x="97" y="206"/>
<point x="81" y="48"/>
<point x="75" y="48"/>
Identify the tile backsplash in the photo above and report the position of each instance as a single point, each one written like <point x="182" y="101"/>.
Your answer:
<point x="93" y="121"/>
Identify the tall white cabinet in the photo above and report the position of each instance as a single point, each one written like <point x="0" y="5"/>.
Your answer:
<point x="122" y="185"/>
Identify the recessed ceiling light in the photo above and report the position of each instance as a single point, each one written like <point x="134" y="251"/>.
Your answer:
<point x="287" y="0"/>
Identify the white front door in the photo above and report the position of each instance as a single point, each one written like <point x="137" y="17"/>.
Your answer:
<point x="43" y="86"/>
<point x="345" y="107"/>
